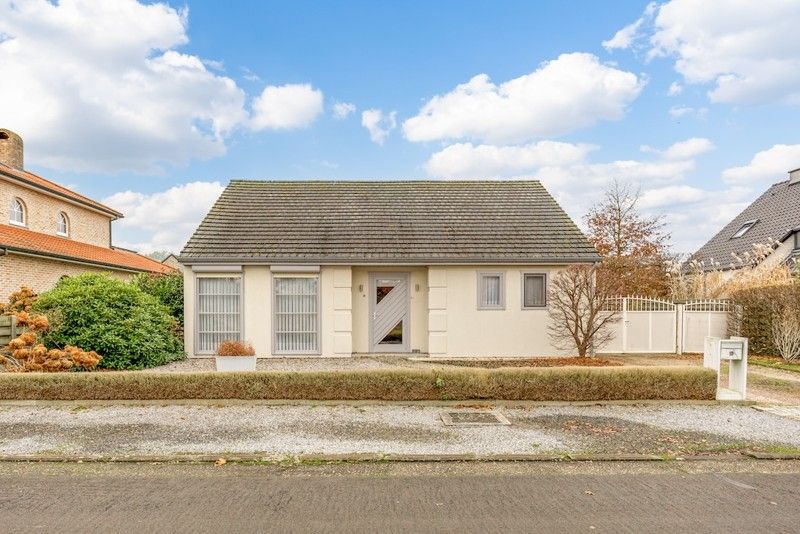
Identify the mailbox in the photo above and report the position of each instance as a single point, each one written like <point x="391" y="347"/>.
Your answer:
<point x="731" y="350"/>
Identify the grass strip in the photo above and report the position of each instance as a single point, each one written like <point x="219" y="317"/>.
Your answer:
<point x="536" y="384"/>
<point x="774" y="364"/>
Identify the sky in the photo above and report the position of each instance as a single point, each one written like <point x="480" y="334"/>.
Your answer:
<point x="153" y="107"/>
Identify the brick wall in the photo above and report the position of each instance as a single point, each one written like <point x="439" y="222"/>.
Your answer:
<point x="42" y="213"/>
<point x="41" y="274"/>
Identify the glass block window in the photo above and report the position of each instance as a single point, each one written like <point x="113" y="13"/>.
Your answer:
<point x="296" y="314"/>
<point x="534" y="290"/>
<point x="491" y="291"/>
<point x="219" y="312"/>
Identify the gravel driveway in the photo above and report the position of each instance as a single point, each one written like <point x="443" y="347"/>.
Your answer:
<point x="278" y="431"/>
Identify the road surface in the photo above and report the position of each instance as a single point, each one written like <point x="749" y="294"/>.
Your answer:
<point x="735" y="496"/>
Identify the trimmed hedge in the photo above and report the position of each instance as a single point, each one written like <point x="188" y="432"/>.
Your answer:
<point x="538" y="384"/>
<point x="754" y="319"/>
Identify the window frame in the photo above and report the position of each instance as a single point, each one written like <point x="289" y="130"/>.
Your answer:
<point x="65" y="217"/>
<point x="197" y="312"/>
<point x="273" y="314"/>
<point x="744" y="228"/>
<point x="23" y="210"/>
<point x="797" y="240"/>
<point x="485" y="274"/>
<point x="544" y="277"/>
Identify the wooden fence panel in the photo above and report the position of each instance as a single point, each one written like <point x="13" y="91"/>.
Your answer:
<point x="8" y="329"/>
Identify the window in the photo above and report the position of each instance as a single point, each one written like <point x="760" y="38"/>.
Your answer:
<point x="62" y="224"/>
<point x="797" y="240"/>
<point x="219" y="311"/>
<point x="534" y="290"/>
<point x="296" y="314"/>
<point x="491" y="291"/>
<point x="17" y="212"/>
<point x="744" y="229"/>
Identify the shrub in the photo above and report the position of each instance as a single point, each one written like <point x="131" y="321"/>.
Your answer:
<point x="757" y="308"/>
<point x="786" y="334"/>
<point x="235" y="348"/>
<point x="167" y="288"/>
<point x="19" y="301"/>
<point x="130" y="328"/>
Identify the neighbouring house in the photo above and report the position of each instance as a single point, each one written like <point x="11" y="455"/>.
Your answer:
<point x="445" y="268"/>
<point x="772" y="220"/>
<point x="172" y="261"/>
<point x="48" y="231"/>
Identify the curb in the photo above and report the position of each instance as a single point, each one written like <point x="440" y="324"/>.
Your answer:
<point x="356" y="458"/>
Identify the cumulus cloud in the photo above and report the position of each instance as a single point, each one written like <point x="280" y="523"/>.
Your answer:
<point x="465" y="160"/>
<point x="677" y="112"/>
<point x="101" y="86"/>
<point x="748" y="52"/>
<point x="286" y="106"/>
<point x="688" y="149"/>
<point x="770" y="165"/>
<point x="565" y="94"/>
<point x="674" y="89"/>
<point x="378" y="124"/>
<point x="342" y="110"/>
<point x="164" y="220"/>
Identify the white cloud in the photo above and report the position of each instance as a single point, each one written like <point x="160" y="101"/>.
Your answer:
<point x="465" y="160"/>
<point x="674" y="89"/>
<point x="748" y="51"/>
<point x="672" y="194"/>
<point x="378" y="124"/>
<point x="99" y="86"/>
<point x="689" y="148"/>
<point x="286" y="106"/>
<point x="164" y="220"/>
<point x="342" y="110"/>
<point x="625" y="37"/>
<point x="677" y="112"/>
<point x="770" y="165"/>
<point x="565" y="94"/>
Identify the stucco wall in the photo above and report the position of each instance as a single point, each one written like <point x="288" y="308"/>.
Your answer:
<point x="41" y="274"/>
<point x="42" y="211"/>
<point x="458" y="328"/>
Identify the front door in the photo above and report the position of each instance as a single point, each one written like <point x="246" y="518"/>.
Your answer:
<point x="389" y="312"/>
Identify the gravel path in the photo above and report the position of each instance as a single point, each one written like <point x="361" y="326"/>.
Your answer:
<point x="278" y="431"/>
<point x="194" y="365"/>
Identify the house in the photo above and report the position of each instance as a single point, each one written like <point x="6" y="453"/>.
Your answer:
<point x="446" y="268"/>
<point x="48" y="231"/>
<point x="771" y="222"/>
<point x="171" y="261"/>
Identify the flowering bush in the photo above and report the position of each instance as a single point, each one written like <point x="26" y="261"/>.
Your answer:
<point x="19" y="301"/>
<point x="26" y="352"/>
<point x="235" y="348"/>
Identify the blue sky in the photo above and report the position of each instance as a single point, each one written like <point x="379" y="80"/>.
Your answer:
<point x="154" y="107"/>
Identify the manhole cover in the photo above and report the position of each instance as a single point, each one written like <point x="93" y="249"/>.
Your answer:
<point x="473" y="418"/>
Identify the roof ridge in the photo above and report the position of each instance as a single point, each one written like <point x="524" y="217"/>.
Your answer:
<point x="381" y="181"/>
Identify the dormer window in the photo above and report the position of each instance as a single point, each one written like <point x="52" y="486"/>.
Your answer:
<point x="744" y="229"/>
<point x="17" y="212"/>
<point x="62" y="224"/>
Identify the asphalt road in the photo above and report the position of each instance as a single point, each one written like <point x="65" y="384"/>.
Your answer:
<point x="722" y="497"/>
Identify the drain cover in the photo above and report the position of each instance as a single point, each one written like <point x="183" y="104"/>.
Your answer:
<point x="473" y="418"/>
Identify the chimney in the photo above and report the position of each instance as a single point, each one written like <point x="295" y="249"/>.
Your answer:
<point x="794" y="176"/>
<point x="11" y="153"/>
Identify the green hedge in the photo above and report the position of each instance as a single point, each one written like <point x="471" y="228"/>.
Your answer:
<point x="538" y="384"/>
<point x="752" y="315"/>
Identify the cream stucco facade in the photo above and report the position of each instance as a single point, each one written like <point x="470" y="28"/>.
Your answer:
<point x="442" y="310"/>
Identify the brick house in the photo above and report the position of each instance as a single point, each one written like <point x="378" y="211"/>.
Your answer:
<point x="48" y="231"/>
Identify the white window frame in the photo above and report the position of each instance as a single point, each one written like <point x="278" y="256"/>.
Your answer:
<point x="274" y="312"/>
<point x="23" y="210"/>
<point x="62" y="217"/>
<point x="486" y="274"/>
<point x="198" y="312"/>
<point x="744" y="228"/>
<point x="522" y="291"/>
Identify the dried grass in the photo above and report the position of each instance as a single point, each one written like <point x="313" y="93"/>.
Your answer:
<point x="542" y="384"/>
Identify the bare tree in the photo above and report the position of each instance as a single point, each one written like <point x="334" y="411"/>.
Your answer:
<point x="581" y="311"/>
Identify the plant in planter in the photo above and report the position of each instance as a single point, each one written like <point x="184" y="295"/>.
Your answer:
<point x="235" y="356"/>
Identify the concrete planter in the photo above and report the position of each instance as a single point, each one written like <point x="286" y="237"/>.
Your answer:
<point x="235" y="363"/>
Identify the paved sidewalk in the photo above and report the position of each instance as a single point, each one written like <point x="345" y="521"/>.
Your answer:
<point x="279" y="432"/>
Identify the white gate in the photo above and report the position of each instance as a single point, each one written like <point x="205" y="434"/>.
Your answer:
<point x="662" y="326"/>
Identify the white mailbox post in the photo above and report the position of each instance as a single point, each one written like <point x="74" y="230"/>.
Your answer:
<point x="734" y="351"/>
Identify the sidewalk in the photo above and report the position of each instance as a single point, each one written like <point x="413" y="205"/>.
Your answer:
<point x="281" y="432"/>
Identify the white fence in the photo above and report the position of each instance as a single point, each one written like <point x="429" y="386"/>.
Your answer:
<point x="655" y="325"/>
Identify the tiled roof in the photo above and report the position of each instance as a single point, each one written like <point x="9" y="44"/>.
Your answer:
<point x="387" y="222"/>
<point x="777" y="212"/>
<point x="37" y="181"/>
<point x="17" y="239"/>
